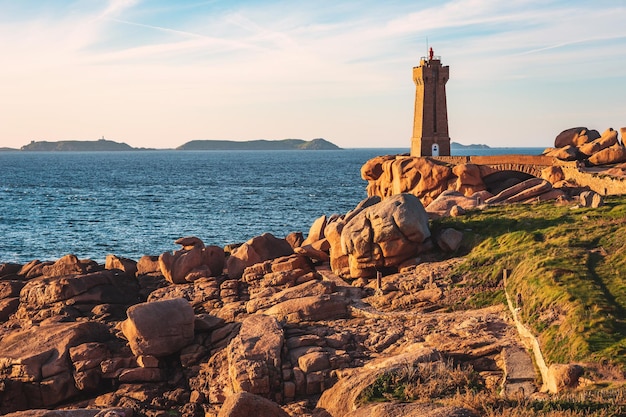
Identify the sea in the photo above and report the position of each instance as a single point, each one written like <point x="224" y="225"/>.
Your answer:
<point x="137" y="203"/>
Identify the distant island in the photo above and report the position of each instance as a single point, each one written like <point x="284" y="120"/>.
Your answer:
<point x="77" y="146"/>
<point x="456" y="145"/>
<point x="194" y="145"/>
<point x="258" y="145"/>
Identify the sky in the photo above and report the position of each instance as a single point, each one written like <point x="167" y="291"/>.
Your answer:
<point x="159" y="73"/>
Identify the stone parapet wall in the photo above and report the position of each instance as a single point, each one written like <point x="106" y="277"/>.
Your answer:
<point x="598" y="182"/>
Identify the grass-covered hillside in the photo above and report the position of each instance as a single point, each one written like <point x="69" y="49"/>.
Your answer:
<point x="567" y="273"/>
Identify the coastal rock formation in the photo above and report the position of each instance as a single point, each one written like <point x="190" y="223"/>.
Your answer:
<point x="159" y="328"/>
<point x="36" y="366"/>
<point x="611" y="155"/>
<point x="575" y="136"/>
<point x="447" y="187"/>
<point x="103" y="294"/>
<point x="386" y="234"/>
<point x="254" y="357"/>
<point x="286" y="332"/>
<point x="191" y="262"/>
<point x="589" y="146"/>
<point x="255" y="250"/>
<point x="423" y="177"/>
<point x="481" y="178"/>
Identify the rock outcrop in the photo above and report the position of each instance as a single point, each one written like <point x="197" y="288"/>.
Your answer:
<point x="255" y="250"/>
<point x="588" y="146"/>
<point x="191" y="262"/>
<point x="386" y="234"/>
<point x="159" y="328"/>
<point x="36" y="364"/>
<point x="254" y="357"/>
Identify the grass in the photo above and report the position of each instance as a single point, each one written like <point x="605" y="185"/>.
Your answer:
<point x="448" y="384"/>
<point x="489" y="404"/>
<point x="567" y="271"/>
<point x="421" y="383"/>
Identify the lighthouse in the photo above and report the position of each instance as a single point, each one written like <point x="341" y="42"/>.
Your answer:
<point x="430" y="123"/>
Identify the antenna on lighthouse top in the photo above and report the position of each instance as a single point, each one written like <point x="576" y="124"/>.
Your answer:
<point x="426" y="45"/>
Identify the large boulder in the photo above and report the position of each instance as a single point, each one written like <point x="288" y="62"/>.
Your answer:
<point x="159" y="328"/>
<point x="384" y="235"/>
<point x="373" y="168"/>
<point x="244" y="404"/>
<point x="339" y="260"/>
<point x="123" y="264"/>
<point x="554" y="174"/>
<point x="469" y="179"/>
<point x="256" y="250"/>
<point x="590" y="199"/>
<point x="611" y="155"/>
<point x="566" y="153"/>
<point x="575" y="136"/>
<point x="66" y="265"/>
<point x="191" y="262"/>
<point x="443" y="204"/>
<point x="562" y="377"/>
<point x="254" y="357"/>
<point x="608" y="138"/>
<point x="148" y="265"/>
<point x="316" y="232"/>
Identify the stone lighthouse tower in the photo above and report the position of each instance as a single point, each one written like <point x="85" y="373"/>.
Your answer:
<point x="430" y="124"/>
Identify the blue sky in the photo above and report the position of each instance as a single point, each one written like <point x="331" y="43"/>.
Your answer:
<point x="158" y="73"/>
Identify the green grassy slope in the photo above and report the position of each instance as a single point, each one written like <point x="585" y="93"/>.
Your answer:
<point x="567" y="270"/>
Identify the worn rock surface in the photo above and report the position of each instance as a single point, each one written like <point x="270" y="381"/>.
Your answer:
<point x="384" y="235"/>
<point x="254" y="357"/>
<point x="159" y="328"/>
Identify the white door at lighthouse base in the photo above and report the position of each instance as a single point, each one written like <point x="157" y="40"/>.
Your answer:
<point x="435" y="150"/>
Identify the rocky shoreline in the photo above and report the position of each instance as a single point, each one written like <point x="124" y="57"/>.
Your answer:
<point x="272" y="327"/>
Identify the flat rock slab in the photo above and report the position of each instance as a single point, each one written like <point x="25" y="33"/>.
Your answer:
<point x="520" y="372"/>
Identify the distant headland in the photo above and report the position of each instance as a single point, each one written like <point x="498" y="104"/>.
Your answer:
<point x="194" y="145"/>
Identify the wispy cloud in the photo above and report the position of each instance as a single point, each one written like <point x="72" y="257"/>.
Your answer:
<point x="117" y="7"/>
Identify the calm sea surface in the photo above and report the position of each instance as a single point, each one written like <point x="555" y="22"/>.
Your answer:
<point x="137" y="203"/>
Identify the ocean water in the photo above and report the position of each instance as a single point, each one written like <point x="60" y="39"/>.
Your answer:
<point x="137" y="203"/>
